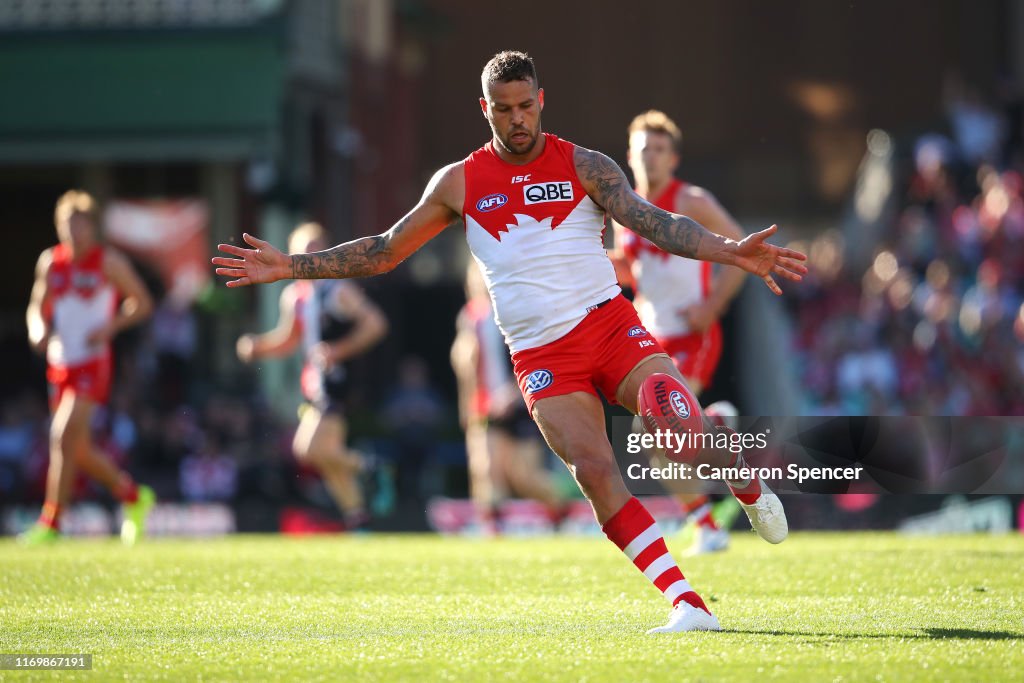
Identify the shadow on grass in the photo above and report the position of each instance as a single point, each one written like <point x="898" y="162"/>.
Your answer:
<point x="922" y="634"/>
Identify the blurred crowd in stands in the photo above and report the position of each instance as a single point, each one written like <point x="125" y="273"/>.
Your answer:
<point x="930" y="319"/>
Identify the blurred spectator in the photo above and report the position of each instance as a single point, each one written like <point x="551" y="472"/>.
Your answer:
<point x="413" y="413"/>
<point x="209" y="474"/>
<point x="977" y="126"/>
<point x="174" y="334"/>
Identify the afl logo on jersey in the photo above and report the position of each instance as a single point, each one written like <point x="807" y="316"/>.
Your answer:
<point x="537" y="380"/>
<point x="548" y="192"/>
<point x="491" y="202"/>
<point x="637" y="332"/>
<point x="679" y="404"/>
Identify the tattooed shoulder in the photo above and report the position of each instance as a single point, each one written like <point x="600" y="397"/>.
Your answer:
<point x="602" y="178"/>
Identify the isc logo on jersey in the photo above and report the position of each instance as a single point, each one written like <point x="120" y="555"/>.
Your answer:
<point x="539" y="193"/>
<point x="491" y="202"/>
<point x="537" y="380"/>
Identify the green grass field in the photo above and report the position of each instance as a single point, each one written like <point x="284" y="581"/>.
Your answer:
<point x="818" y="607"/>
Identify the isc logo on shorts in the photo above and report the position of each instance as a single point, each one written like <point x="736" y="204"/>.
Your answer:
<point x="491" y="202"/>
<point x="539" y="193"/>
<point x="537" y="380"/>
<point x="679" y="404"/>
<point x="637" y="332"/>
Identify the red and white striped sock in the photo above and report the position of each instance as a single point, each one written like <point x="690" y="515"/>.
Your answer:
<point x="699" y="510"/>
<point x="637" y="535"/>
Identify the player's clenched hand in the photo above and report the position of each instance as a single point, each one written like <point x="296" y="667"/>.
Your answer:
<point x="265" y="263"/>
<point x="756" y="256"/>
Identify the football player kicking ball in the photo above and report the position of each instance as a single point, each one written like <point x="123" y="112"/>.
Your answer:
<point x="533" y="206"/>
<point x="680" y="300"/>
<point x="72" y="317"/>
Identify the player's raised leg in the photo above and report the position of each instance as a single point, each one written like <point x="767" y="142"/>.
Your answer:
<point x="763" y="508"/>
<point x="573" y="425"/>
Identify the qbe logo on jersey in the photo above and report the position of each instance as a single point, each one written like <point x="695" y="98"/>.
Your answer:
<point x="679" y="404"/>
<point x="538" y="193"/>
<point x="537" y="380"/>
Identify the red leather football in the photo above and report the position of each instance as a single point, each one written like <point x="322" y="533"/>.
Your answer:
<point x="665" y="404"/>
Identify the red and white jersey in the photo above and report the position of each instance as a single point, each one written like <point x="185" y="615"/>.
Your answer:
<point x="665" y="283"/>
<point x="537" y="237"/>
<point x="81" y="300"/>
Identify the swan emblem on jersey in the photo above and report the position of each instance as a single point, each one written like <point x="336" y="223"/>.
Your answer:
<point x="537" y="380"/>
<point x="523" y="222"/>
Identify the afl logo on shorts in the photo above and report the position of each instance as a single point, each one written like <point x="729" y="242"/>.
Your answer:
<point x="637" y="332"/>
<point x="679" y="404"/>
<point x="537" y="380"/>
<point x="491" y="202"/>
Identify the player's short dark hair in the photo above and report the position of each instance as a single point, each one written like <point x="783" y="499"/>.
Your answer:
<point x="508" y="66"/>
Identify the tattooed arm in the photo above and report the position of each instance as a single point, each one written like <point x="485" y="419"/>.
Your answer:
<point x="607" y="185"/>
<point x="440" y="205"/>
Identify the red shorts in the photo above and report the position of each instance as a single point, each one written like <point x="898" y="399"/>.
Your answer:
<point x="696" y="355"/>
<point x="91" y="379"/>
<point x="595" y="356"/>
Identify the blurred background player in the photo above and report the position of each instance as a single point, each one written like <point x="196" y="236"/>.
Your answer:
<point x="333" y="321"/>
<point x="504" y="448"/>
<point x="680" y="300"/>
<point x="72" y="317"/>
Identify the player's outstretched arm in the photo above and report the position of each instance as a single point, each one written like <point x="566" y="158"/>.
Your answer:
<point x="607" y="185"/>
<point x="440" y="205"/>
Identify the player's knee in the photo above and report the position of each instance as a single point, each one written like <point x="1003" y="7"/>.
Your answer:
<point x="67" y="438"/>
<point x="595" y="471"/>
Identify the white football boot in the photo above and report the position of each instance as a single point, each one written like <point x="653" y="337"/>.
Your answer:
<point x="686" y="617"/>
<point x="707" y="540"/>
<point x="767" y="517"/>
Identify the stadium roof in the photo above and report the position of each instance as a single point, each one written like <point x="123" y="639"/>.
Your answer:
<point x="64" y="15"/>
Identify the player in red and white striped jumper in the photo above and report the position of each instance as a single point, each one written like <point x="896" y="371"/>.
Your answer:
<point x="534" y="206"/>
<point x="84" y="295"/>
<point x="680" y="300"/>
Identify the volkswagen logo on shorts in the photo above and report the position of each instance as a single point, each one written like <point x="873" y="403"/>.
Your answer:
<point x="491" y="202"/>
<point x="637" y="332"/>
<point x="537" y="380"/>
<point x="679" y="404"/>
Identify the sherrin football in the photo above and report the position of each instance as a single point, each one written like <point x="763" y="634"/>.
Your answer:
<point x="665" y="404"/>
